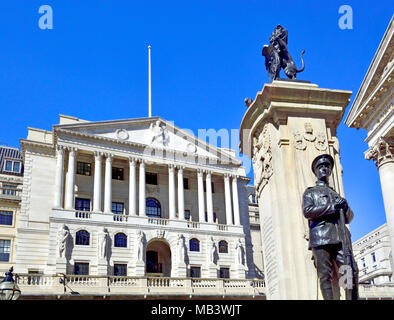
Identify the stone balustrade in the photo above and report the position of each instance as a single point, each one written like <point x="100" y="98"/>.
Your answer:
<point x="10" y="193"/>
<point x="122" y="285"/>
<point x="65" y="215"/>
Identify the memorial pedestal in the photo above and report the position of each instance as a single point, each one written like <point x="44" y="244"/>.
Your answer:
<point x="102" y="267"/>
<point x="140" y="269"/>
<point x="61" y="265"/>
<point x="287" y="125"/>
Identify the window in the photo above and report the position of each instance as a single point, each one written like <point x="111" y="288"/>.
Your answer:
<point x="212" y="186"/>
<point x="117" y="207"/>
<point x="224" y="273"/>
<point x="82" y="238"/>
<point x="373" y="257"/>
<point x="187" y="214"/>
<point x="223" y="247"/>
<point x="12" y="166"/>
<point x="82" y="204"/>
<point x="117" y="173"/>
<point x="6" y="218"/>
<point x="84" y="168"/>
<point x="81" y="268"/>
<point x="153" y="208"/>
<point x="195" y="272"/>
<point x="186" y="183"/>
<point x="194" y="244"/>
<point x="120" y="240"/>
<point x="5" y="248"/>
<point x="151" y="178"/>
<point x="363" y="262"/>
<point x="120" y="269"/>
<point x="9" y="189"/>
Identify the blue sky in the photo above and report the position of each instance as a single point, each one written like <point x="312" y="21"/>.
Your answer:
<point x="206" y="58"/>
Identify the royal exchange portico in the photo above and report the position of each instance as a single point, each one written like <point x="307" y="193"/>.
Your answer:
<point x="131" y="198"/>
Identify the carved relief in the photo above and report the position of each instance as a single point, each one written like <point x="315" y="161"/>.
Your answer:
<point x="122" y="134"/>
<point x="308" y="135"/>
<point x="140" y="245"/>
<point x="63" y="237"/>
<point x="262" y="159"/>
<point x="382" y="151"/>
<point x="159" y="133"/>
<point x="320" y="142"/>
<point x="299" y="142"/>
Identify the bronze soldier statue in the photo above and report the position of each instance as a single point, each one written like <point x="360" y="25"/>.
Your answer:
<point x="329" y="239"/>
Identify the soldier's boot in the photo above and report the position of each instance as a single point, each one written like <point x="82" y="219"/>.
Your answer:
<point x="327" y="293"/>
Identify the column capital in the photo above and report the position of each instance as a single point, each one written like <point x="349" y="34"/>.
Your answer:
<point x="132" y="161"/>
<point x="179" y="167"/>
<point x="108" y="157"/>
<point x="60" y="148"/>
<point x="208" y="172"/>
<point x="226" y="176"/>
<point x="200" y="172"/>
<point x="98" y="154"/>
<point x="71" y="150"/>
<point x="171" y="166"/>
<point x="142" y="162"/>
<point x="382" y="151"/>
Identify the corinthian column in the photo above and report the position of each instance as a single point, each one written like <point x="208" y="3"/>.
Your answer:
<point x="108" y="184"/>
<point x="70" y="179"/>
<point x="383" y="155"/>
<point x="201" y="204"/>
<point x="97" y="188"/>
<point x="227" y="195"/>
<point x="59" y="177"/>
<point x="208" y="183"/>
<point x="132" y="189"/>
<point x="236" y="201"/>
<point x="171" y="191"/>
<point x="181" y="201"/>
<point x="142" y="201"/>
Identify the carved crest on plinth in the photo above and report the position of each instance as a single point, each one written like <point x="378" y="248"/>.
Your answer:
<point x="301" y="139"/>
<point x="262" y="159"/>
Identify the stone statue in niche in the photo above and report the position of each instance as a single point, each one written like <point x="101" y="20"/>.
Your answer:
<point x="239" y="251"/>
<point x="159" y="133"/>
<point x="181" y="248"/>
<point x="63" y="240"/>
<point x="103" y="243"/>
<point x="212" y="250"/>
<point x="140" y="246"/>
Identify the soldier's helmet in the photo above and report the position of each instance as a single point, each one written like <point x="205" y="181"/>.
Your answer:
<point x="323" y="158"/>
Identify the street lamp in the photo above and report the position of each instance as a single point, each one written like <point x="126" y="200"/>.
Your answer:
<point x="9" y="290"/>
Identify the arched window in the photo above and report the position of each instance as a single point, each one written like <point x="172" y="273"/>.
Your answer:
<point x="223" y="246"/>
<point x="120" y="240"/>
<point x="82" y="238"/>
<point x="153" y="208"/>
<point x="194" y="244"/>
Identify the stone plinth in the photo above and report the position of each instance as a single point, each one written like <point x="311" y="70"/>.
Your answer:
<point x="61" y="265"/>
<point x="102" y="267"/>
<point x="284" y="129"/>
<point x="139" y="269"/>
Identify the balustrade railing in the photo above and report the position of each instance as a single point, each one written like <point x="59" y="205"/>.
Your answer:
<point x="192" y="224"/>
<point x="83" y="214"/>
<point x="222" y="227"/>
<point x="158" y="221"/>
<point x="10" y="192"/>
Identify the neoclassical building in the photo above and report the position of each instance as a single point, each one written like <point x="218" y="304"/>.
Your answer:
<point x="373" y="111"/>
<point x="131" y="198"/>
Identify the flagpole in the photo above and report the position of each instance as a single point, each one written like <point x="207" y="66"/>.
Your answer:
<point x="150" y="86"/>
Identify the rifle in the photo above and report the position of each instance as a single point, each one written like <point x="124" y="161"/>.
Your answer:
<point x="346" y="251"/>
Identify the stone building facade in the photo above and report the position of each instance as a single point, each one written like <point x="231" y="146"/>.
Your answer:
<point x="372" y="253"/>
<point x="11" y="172"/>
<point x="136" y="197"/>
<point x="373" y="111"/>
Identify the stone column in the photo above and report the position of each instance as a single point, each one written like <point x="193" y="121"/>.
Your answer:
<point x="181" y="201"/>
<point x="70" y="179"/>
<point x="236" y="201"/>
<point x="208" y="182"/>
<point x="171" y="191"/>
<point x="227" y="196"/>
<point x="287" y="125"/>
<point x="97" y="188"/>
<point x="201" y="204"/>
<point x="382" y="152"/>
<point x="58" y="200"/>
<point x="108" y="184"/>
<point x="142" y="200"/>
<point x="132" y="188"/>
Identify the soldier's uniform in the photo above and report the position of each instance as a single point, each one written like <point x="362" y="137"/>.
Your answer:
<point x="325" y="233"/>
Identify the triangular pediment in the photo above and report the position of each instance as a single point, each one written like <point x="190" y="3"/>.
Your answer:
<point x="153" y="132"/>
